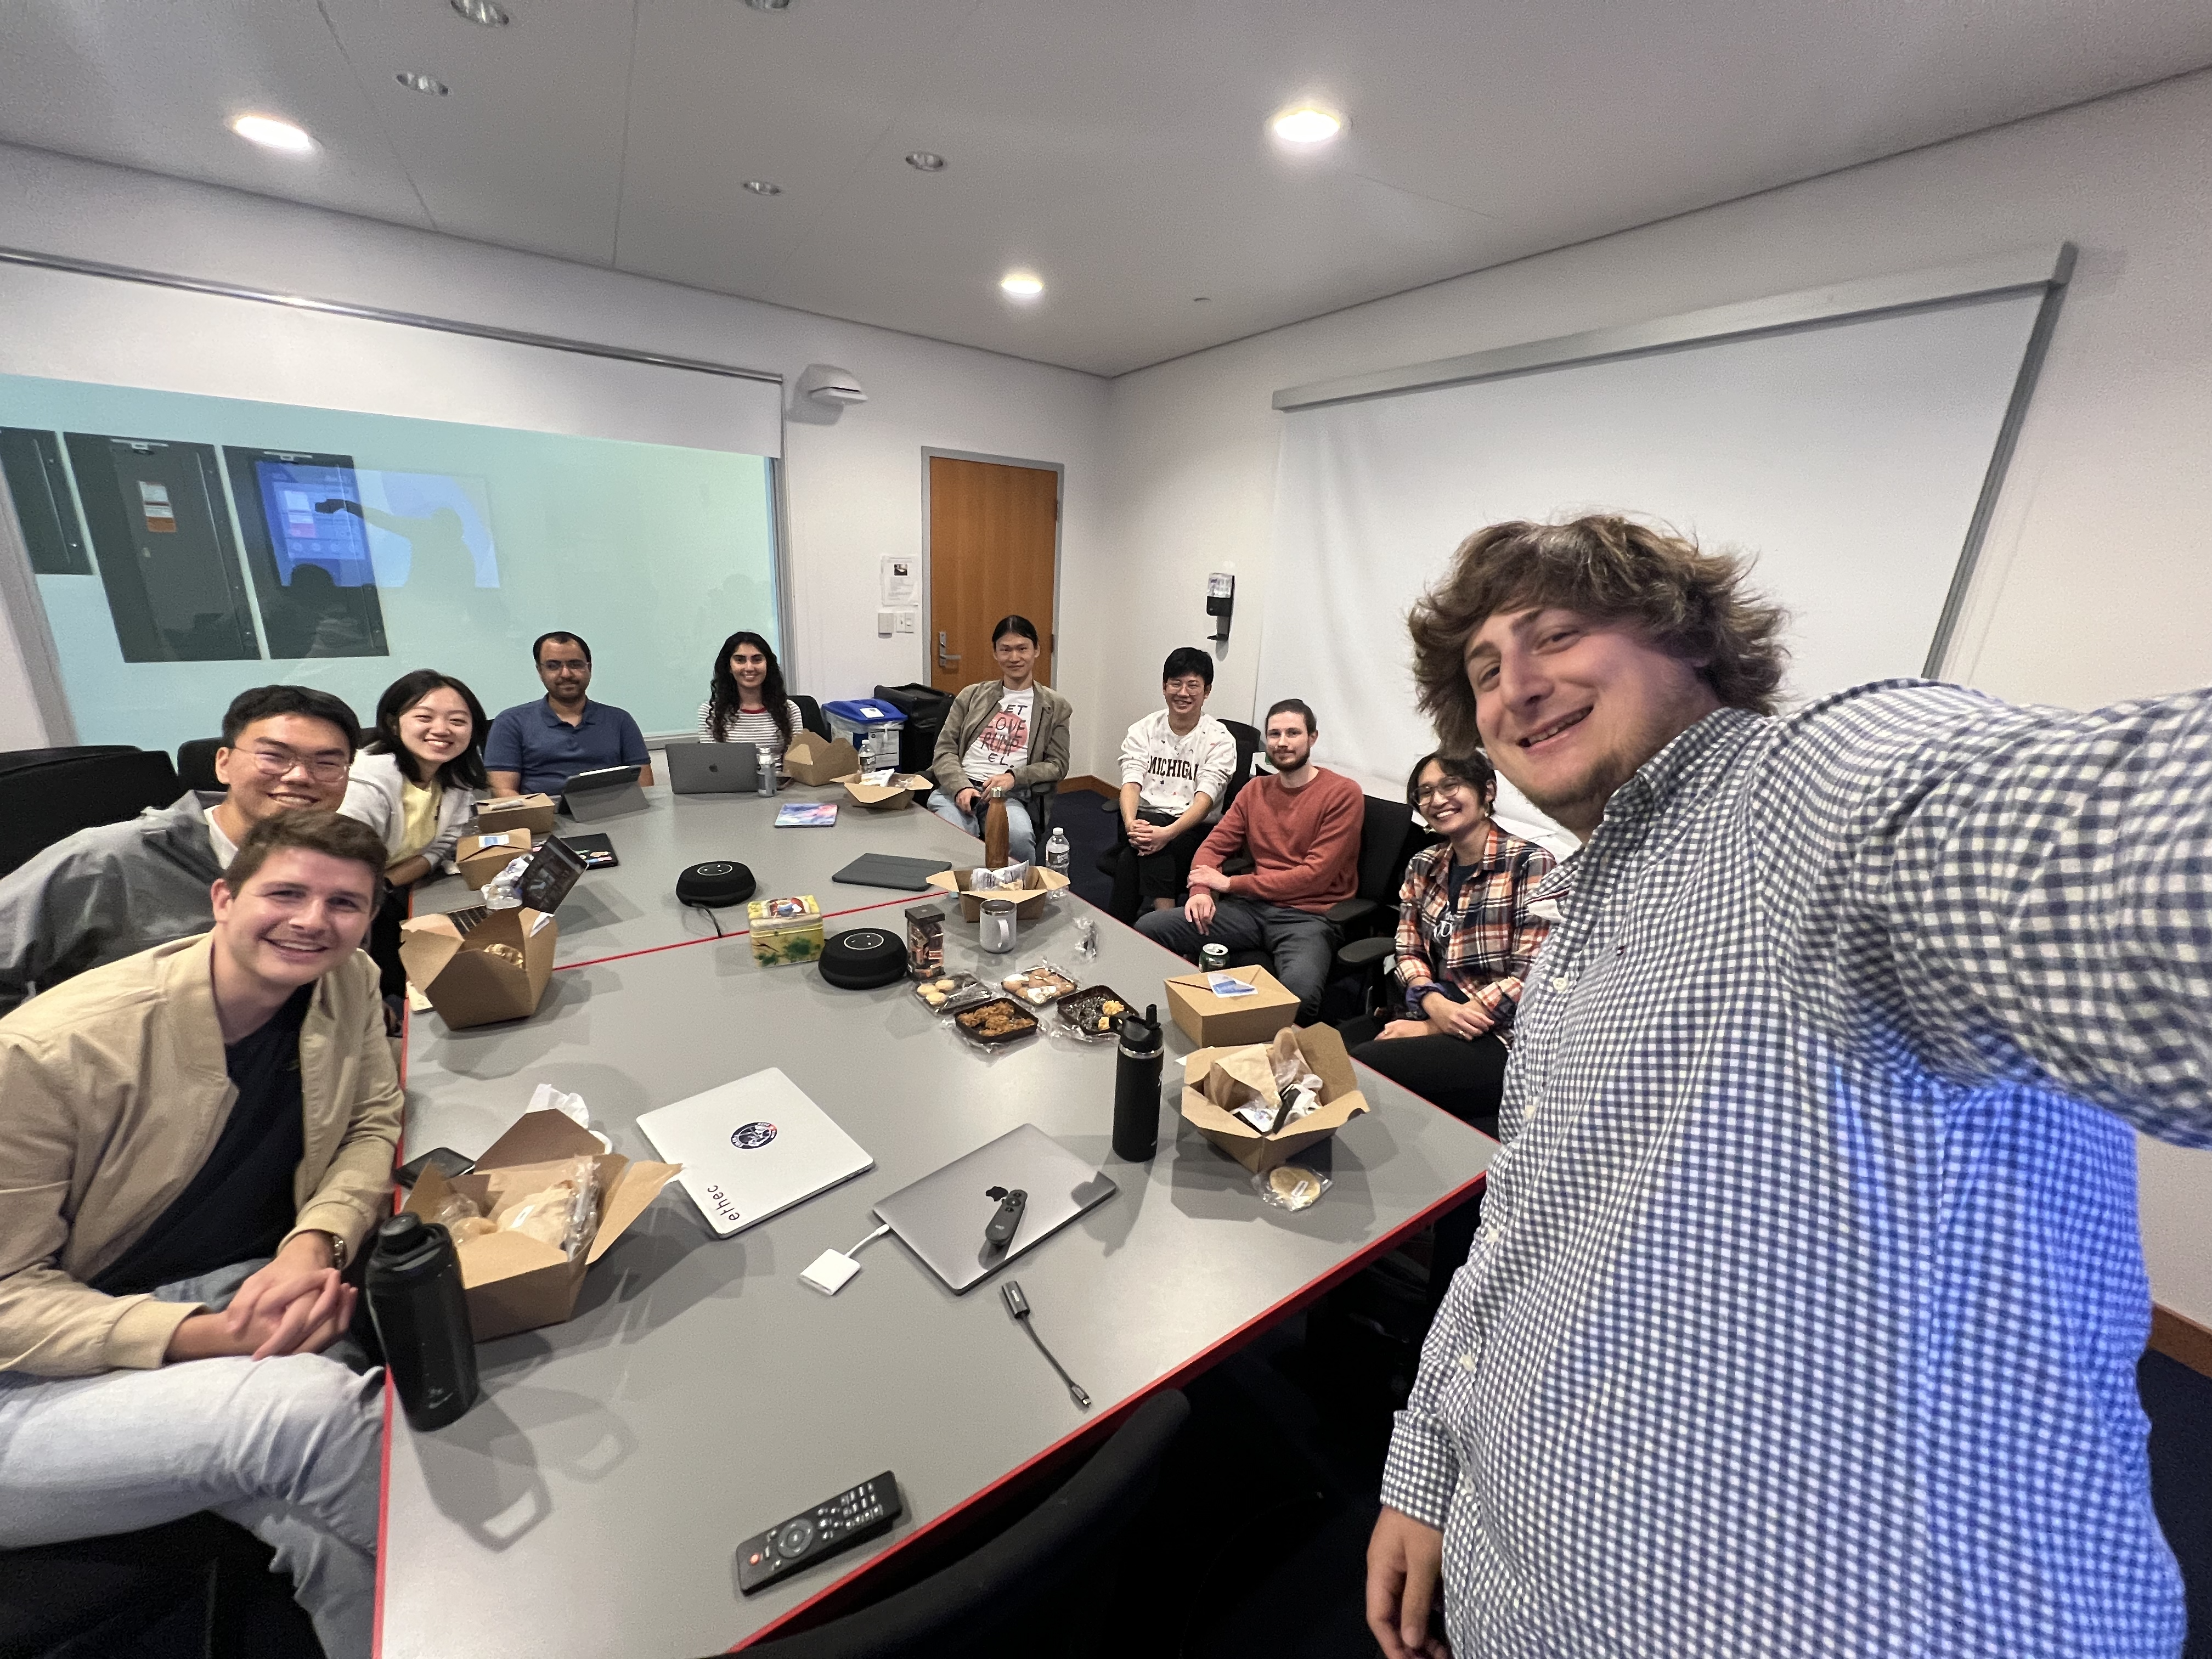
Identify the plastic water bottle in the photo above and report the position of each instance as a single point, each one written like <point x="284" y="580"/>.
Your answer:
<point x="1056" y="854"/>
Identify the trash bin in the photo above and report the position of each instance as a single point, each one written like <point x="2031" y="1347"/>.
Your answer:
<point x="925" y="708"/>
<point x="871" y="727"/>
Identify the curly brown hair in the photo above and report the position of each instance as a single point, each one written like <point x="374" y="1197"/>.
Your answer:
<point x="1695" y="605"/>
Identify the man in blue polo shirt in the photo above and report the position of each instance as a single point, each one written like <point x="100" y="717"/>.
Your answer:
<point x="539" y="746"/>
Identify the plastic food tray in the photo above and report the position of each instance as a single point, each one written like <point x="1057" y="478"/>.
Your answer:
<point x="1078" y="1014"/>
<point x="1022" y="1024"/>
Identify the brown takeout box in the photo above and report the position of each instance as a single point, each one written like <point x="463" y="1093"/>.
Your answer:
<point x="1341" y="1101"/>
<point x="1041" y="886"/>
<point x="468" y="985"/>
<point x="483" y="855"/>
<point x="516" y="1282"/>
<point x="884" y="797"/>
<point x="531" y="812"/>
<point x="1220" y="1022"/>
<point x="816" y="760"/>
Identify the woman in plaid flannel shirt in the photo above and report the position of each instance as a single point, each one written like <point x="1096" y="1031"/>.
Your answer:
<point x="1465" y="938"/>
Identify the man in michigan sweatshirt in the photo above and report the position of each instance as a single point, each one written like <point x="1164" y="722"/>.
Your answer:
<point x="1301" y="830"/>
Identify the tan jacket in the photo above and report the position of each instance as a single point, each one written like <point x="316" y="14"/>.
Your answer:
<point x="113" y="1092"/>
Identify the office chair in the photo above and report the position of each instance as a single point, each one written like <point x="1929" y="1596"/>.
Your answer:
<point x="812" y="717"/>
<point x="196" y="763"/>
<point x="965" y="1609"/>
<point x="97" y="1595"/>
<point x="42" y="802"/>
<point x="18" y="760"/>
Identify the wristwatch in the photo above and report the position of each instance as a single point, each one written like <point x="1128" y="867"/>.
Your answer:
<point x="338" y="1250"/>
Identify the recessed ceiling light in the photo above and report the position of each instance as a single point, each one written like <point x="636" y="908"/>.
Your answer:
<point x="769" y="5"/>
<point x="761" y="187"/>
<point x="429" y="83"/>
<point x="1307" y="124"/>
<point x="273" y="134"/>
<point x="923" y="160"/>
<point x="485" y="14"/>
<point x="1022" y="285"/>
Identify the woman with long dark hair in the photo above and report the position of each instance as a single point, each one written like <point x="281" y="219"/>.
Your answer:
<point x="747" y="702"/>
<point x="415" y="782"/>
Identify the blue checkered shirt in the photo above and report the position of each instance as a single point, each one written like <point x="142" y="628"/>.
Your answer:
<point x="1804" y="1315"/>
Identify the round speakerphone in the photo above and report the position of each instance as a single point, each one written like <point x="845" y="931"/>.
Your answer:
<point x="717" y="885"/>
<point x="862" y="959"/>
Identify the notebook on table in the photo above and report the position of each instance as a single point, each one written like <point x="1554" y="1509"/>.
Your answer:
<point x="752" y="1149"/>
<point x="886" y="869"/>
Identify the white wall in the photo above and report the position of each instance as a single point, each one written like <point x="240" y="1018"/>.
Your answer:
<point x="855" y="486"/>
<point x="2097" y="574"/>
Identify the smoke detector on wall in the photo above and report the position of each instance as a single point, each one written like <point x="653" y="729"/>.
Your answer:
<point x="825" y="384"/>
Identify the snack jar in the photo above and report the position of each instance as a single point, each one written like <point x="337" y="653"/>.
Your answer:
<point x="784" y="930"/>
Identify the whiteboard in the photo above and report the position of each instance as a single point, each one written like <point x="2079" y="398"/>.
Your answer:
<point x="1846" y="459"/>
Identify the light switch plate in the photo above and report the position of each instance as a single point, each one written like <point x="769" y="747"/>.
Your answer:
<point x="906" y="622"/>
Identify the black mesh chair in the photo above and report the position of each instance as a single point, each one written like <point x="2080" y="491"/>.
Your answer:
<point x="96" y="1596"/>
<point x="812" y="717"/>
<point x="196" y="763"/>
<point x="975" y="1606"/>
<point x="42" y="802"/>
<point x="925" y="708"/>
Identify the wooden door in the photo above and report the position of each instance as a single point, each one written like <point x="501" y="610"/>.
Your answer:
<point x="992" y="529"/>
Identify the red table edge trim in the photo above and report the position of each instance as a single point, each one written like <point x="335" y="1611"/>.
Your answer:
<point x="721" y="939"/>
<point x="1199" y="1362"/>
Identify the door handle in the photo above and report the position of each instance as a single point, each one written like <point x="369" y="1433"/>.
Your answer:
<point x="946" y="659"/>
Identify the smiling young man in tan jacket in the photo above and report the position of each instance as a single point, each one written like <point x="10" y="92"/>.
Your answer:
<point x="196" y="1140"/>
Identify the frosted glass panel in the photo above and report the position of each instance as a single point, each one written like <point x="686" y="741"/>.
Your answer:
<point x="234" y="543"/>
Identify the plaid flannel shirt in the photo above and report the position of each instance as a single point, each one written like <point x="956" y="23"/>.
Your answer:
<point x="1481" y="946"/>
<point x="1804" y="1315"/>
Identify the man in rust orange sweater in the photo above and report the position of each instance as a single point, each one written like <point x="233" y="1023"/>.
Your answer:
<point x="1301" y="828"/>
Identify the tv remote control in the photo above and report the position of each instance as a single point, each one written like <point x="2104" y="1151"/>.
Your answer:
<point x="862" y="1512"/>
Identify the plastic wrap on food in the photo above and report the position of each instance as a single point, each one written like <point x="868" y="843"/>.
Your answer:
<point x="1009" y="878"/>
<point x="1039" y="985"/>
<point x="564" y="1213"/>
<point x="1290" y="1186"/>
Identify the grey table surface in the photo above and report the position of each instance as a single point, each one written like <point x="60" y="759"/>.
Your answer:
<point x="591" y="1503"/>
<point x="633" y="906"/>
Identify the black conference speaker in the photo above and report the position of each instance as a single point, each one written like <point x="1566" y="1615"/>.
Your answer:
<point x="861" y="958"/>
<point x="717" y="883"/>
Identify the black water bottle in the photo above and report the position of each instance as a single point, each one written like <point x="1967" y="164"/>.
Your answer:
<point x="1137" y="1086"/>
<point x="422" y="1315"/>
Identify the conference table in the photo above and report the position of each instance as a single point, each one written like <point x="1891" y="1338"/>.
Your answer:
<point x="591" y="1504"/>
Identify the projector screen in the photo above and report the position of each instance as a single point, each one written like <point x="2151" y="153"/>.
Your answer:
<point x="1845" y="458"/>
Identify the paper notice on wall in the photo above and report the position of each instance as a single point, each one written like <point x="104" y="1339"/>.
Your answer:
<point x="902" y="581"/>
<point x="154" y="501"/>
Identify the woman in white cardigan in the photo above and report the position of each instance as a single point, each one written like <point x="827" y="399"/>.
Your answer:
<point x="417" y="781"/>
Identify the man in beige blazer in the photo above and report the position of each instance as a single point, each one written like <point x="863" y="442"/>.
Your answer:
<point x="196" y="1141"/>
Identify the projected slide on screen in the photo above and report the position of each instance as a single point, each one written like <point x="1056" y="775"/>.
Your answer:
<point x="308" y="549"/>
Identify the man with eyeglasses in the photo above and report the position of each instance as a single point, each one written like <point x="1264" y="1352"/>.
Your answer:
<point x="537" y="747"/>
<point x="118" y="889"/>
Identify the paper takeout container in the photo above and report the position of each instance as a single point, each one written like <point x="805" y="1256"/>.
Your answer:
<point x="1341" y="1101"/>
<point x="531" y="812"/>
<point x="1028" y="900"/>
<point x="1219" y="1022"/>
<point x="808" y="758"/>
<point x="465" y="982"/>
<point x="484" y="855"/>
<point x="884" y="797"/>
<point x="514" y="1282"/>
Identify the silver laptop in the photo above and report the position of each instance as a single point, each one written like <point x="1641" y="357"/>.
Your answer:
<point x="713" y="768"/>
<point x="752" y="1149"/>
<point x="942" y="1217"/>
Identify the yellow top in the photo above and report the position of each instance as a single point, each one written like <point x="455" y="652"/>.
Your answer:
<point x="420" y="803"/>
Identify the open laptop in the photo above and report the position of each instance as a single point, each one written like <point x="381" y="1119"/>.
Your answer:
<point x="942" y="1217"/>
<point x="552" y="871"/>
<point x="602" y="794"/>
<point x="713" y="768"/>
<point x="752" y="1149"/>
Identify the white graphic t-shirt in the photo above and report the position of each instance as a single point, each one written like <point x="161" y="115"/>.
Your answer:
<point x="1002" y="742"/>
<point x="1171" y="771"/>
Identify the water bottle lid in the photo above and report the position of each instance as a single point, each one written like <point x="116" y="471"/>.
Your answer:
<point x="406" y="1241"/>
<point x="1142" y="1038"/>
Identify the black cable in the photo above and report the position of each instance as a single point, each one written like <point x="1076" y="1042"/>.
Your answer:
<point x="1017" y="1305"/>
<point x="711" y="917"/>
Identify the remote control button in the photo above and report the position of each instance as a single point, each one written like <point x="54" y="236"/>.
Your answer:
<point x="795" y="1537"/>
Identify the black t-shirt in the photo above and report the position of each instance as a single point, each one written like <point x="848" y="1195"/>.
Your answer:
<point x="239" y="1205"/>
